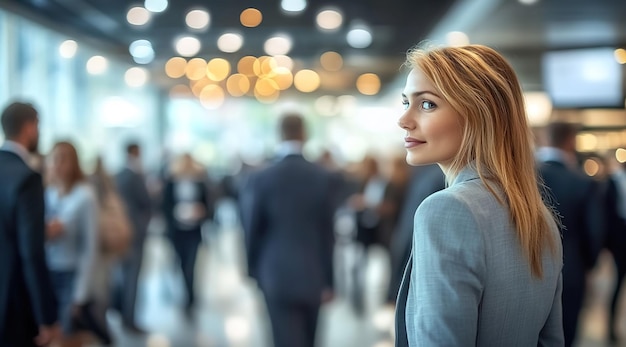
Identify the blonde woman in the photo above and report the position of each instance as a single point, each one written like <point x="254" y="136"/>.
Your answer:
<point x="486" y="263"/>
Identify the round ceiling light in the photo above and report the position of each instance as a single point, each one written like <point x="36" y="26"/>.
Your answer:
<point x="230" y="42"/>
<point x="198" y="19"/>
<point x="329" y="20"/>
<point x="188" y="46"/>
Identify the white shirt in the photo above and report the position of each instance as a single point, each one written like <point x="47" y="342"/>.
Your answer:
<point x="286" y="148"/>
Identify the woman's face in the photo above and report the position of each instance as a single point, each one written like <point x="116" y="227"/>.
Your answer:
<point x="60" y="165"/>
<point x="433" y="128"/>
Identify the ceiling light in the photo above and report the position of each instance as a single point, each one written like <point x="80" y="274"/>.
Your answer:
<point x="196" y="69"/>
<point x="620" y="155"/>
<point x="136" y="77"/>
<point x="306" y="81"/>
<point x="188" y="46"/>
<point x="538" y="108"/>
<point x="246" y="65"/>
<point x="68" y="49"/>
<point x="278" y="45"/>
<point x="230" y="42"/>
<point x="368" y="84"/>
<point x="359" y="37"/>
<point x="293" y="6"/>
<point x="329" y="20"/>
<point x="198" y="19"/>
<point x="156" y="5"/>
<point x="175" y="67"/>
<point x="97" y="65"/>
<point x="331" y="61"/>
<point x="251" y="17"/>
<point x="218" y="69"/>
<point x="527" y="2"/>
<point x="284" y="61"/>
<point x="142" y="51"/>
<point x="283" y="78"/>
<point x="238" y="85"/>
<point x="620" y="55"/>
<point x="457" y="39"/>
<point x="138" y="16"/>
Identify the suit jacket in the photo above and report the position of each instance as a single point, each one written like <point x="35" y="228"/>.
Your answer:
<point x="26" y="298"/>
<point x="469" y="283"/>
<point x="288" y="220"/>
<point x="578" y="201"/>
<point x="170" y="200"/>
<point x="134" y="193"/>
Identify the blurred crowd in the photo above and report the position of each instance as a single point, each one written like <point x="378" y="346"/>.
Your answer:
<point x="96" y="225"/>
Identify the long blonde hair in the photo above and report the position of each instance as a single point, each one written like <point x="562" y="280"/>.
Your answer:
<point x="483" y="89"/>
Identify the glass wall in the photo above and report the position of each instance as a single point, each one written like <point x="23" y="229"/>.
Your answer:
<point x="96" y="111"/>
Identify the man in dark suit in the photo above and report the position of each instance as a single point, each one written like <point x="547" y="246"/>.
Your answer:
<point x="27" y="305"/>
<point x="131" y="185"/>
<point x="288" y="219"/>
<point x="577" y="199"/>
<point x="425" y="180"/>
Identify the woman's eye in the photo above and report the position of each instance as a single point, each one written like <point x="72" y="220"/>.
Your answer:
<point x="427" y="105"/>
<point x="405" y="104"/>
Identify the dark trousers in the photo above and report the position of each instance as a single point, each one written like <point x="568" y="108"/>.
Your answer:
<point x="63" y="283"/>
<point x="293" y="325"/>
<point x="126" y="290"/>
<point x="186" y="243"/>
<point x="620" y="265"/>
<point x="573" y="296"/>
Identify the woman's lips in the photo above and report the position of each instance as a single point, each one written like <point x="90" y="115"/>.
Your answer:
<point x="411" y="142"/>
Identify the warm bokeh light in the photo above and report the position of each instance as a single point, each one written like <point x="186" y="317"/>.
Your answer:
<point x="198" y="19"/>
<point x="136" y="77"/>
<point x="188" y="46"/>
<point x="230" y="42"/>
<point x="196" y="69"/>
<point x="138" y="16"/>
<point x="97" y="65"/>
<point x="238" y="85"/>
<point x="218" y="69"/>
<point x="586" y="142"/>
<point x="620" y="55"/>
<point x="68" y="49"/>
<point x="620" y="155"/>
<point x="284" y="61"/>
<point x="251" y="17"/>
<point x="246" y="65"/>
<point x="267" y="99"/>
<point x="329" y="19"/>
<point x="175" y="67"/>
<point x="212" y="96"/>
<point x="198" y="86"/>
<point x="265" y="87"/>
<point x="264" y="66"/>
<point x="306" y="81"/>
<point x="278" y="45"/>
<point x="156" y="6"/>
<point x="457" y="38"/>
<point x="591" y="167"/>
<point x="283" y="77"/>
<point x="368" y="84"/>
<point x="180" y="90"/>
<point x="331" y="61"/>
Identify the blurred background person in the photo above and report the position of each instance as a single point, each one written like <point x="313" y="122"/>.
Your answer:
<point x="72" y="236"/>
<point x="424" y="181"/>
<point x="115" y="238"/>
<point x="27" y="303"/>
<point x="615" y="214"/>
<point x="577" y="200"/>
<point x="131" y="185"/>
<point x="288" y="223"/>
<point x="187" y="207"/>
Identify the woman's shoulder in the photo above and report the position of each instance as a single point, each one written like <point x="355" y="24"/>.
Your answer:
<point x="84" y="192"/>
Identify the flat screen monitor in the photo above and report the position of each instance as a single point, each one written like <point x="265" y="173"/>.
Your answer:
<point x="583" y="78"/>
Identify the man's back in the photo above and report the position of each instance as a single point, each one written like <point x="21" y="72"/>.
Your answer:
<point x="26" y="300"/>
<point x="290" y="230"/>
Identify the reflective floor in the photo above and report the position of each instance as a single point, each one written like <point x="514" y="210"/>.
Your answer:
<point x="232" y="312"/>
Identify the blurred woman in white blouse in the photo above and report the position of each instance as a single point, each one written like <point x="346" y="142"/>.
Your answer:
<point x="72" y="233"/>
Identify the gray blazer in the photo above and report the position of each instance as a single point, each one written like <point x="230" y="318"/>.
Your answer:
<point x="468" y="282"/>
